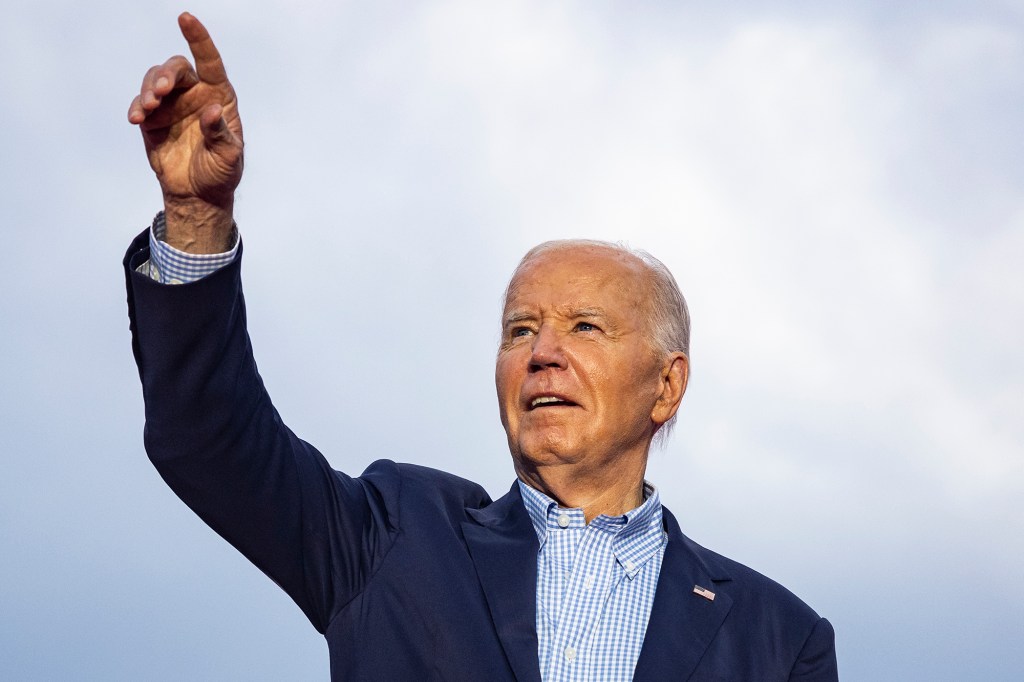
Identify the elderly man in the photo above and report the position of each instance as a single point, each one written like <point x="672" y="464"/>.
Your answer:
<point x="578" y="573"/>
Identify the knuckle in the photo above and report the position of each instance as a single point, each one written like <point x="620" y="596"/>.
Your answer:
<point x="176" y="65"/>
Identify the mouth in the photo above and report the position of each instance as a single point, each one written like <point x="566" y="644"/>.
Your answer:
<point x="548" y="401"/>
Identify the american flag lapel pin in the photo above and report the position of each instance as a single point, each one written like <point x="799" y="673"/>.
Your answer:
<point x="704" y="592"/>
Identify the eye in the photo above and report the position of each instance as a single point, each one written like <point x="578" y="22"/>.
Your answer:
<point x="586" y="327"/>
<point x="520" y="331"/>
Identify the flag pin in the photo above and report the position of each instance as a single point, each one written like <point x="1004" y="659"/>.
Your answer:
<point x="704" y="592"/>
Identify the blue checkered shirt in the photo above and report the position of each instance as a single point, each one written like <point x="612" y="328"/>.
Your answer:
<point x="595" y="582"/>
<point x="168" y="265"/>
<point x="595" y="587"/>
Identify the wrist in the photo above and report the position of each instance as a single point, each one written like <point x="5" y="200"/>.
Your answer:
<point x="196" y="226"/>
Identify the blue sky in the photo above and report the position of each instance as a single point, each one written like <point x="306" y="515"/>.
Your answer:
<point x="837" y="188"/>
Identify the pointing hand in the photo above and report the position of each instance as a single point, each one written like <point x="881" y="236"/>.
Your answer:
<point x="193" y="137"/>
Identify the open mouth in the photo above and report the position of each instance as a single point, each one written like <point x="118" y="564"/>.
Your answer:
<point x="546" y="401"/>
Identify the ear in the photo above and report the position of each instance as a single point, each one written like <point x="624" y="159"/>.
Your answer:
<point x="674" y="375"/>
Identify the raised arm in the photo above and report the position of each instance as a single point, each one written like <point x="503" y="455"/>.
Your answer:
<point x="193" y="137"/>
<point x="211" y="430"/>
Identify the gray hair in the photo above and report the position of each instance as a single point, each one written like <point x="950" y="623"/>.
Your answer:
<point x="670" y="323"/>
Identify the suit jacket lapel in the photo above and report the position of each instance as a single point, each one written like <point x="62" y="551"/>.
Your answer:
<point x="503" y="546"/>
<point x="682" y="623"/>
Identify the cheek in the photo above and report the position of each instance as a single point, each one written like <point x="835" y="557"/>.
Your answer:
<point x="507" y="382"/>
<point x="628" y="390"/>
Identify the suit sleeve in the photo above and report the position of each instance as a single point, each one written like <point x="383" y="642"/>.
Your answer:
<point x="817" y="659"/>
<point x="218" y="442"/>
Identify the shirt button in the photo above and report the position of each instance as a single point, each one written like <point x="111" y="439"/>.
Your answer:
<point x="570" y="654"/>
<point x="629" y="566"/>
<point x="588" y="582"/>
<point x="563" y="520"/>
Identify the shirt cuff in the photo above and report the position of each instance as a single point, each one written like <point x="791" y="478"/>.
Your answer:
<point x="168" y="265"/>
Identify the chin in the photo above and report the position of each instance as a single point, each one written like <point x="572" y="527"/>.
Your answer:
<point x="547" y="448"/>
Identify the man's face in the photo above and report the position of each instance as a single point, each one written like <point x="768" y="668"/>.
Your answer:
<point x="578" y="378"/>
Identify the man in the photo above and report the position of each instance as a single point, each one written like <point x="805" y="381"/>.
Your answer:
<point x="577" y="573"/>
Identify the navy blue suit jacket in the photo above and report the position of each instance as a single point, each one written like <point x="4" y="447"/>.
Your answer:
<point x="410" y="573"/>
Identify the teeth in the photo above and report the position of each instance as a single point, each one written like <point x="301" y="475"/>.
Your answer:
<point x="543" y="400"/>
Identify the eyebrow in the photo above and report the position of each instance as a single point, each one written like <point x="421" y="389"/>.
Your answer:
<point x="566" y="311"/>
<point x="517" y="316"/>
<point x="585" y="312"/>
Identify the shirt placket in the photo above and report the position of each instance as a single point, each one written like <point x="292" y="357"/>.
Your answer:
<point x="589" y="585"/>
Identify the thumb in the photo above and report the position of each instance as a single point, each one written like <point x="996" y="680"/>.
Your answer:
<point x="216" y="134"/>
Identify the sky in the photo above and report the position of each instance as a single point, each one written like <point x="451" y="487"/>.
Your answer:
<point x="837" y="187"/>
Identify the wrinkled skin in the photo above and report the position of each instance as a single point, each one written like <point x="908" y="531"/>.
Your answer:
<point x="193" y="138"/>
<point x="575" y="332"/>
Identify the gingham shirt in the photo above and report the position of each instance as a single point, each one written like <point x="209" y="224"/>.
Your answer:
<point x="595" y="587"/>
<point x="168" y="265"/>
<point x="595" y="582"/>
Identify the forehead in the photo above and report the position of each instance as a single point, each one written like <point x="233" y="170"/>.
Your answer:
<point x="579" y="275"/>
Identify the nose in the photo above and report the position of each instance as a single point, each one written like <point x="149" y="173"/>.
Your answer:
<point x="547" y="351"/>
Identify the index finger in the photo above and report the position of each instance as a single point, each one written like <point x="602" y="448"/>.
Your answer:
<point x="209" y="66"/>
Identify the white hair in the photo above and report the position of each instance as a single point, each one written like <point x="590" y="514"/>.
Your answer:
<point x="669" y="326"/>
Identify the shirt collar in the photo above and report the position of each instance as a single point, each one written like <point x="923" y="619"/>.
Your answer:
<point x="638" y="532"/>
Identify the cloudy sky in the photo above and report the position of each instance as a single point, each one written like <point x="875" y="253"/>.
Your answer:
<point x="837" y="187"/>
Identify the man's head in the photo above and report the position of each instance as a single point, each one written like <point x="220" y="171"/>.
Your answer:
<point x="593" y="355"/>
